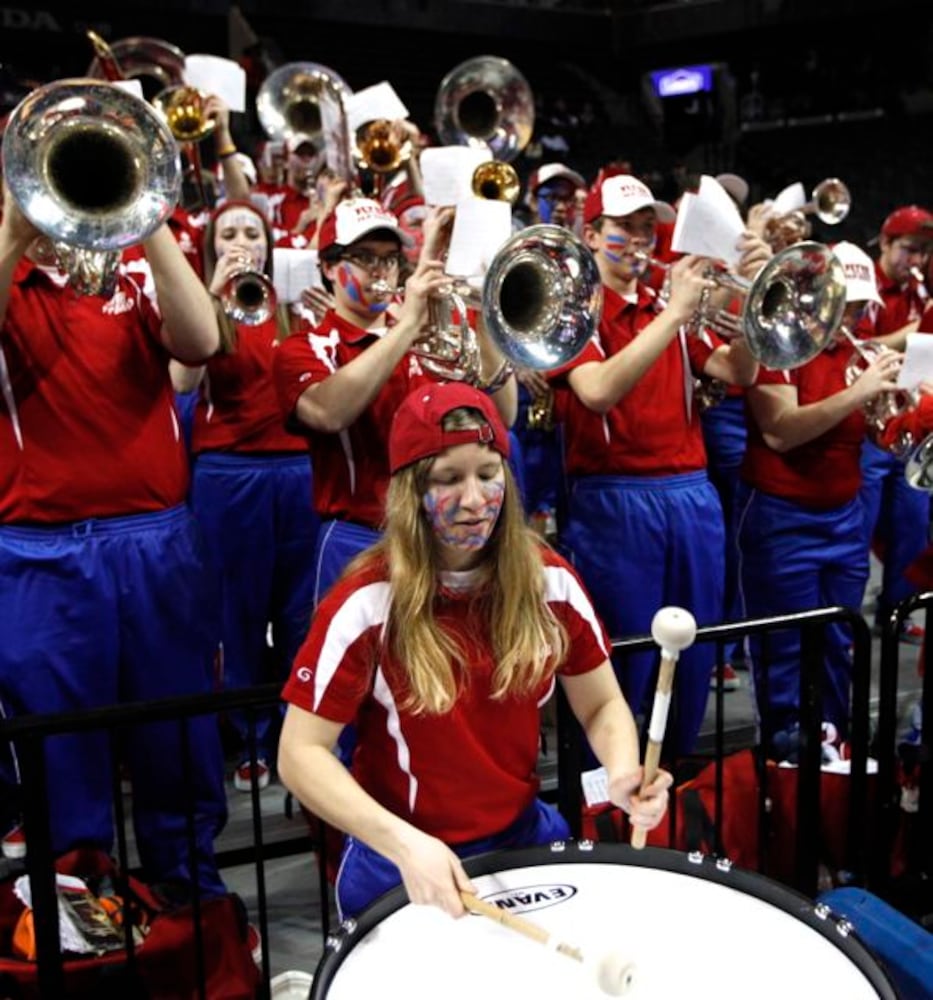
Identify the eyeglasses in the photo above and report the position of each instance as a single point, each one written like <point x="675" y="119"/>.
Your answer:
<point x="369" y="261"/>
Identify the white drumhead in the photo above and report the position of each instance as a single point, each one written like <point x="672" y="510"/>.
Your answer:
<point x="686" y="936"/>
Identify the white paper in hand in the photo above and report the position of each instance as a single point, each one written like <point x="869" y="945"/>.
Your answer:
<point x="214" y="75"/>
<point x="294" y="271"/>
<point x="918" y="361"/>
<point x="447" y="173"/>
<point x="708" y="223"/>
<point x="372" y="103"/>
<point x="481" y="226"/>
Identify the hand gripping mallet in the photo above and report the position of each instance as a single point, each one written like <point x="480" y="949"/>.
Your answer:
<point x="614" y="975"/>
<point x="673" y="629"/>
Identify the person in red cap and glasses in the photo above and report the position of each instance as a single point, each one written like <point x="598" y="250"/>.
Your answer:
<point x="644" y="522"/>
<point x="343" y="382"/>
<point x="896" y="515"/>
<point x="441" y="642"/>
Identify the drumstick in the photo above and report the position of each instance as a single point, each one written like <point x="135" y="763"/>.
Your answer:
<point x="614" y="974"/>
<point x="673" y="629"/>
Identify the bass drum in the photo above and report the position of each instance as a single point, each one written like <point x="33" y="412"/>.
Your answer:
<point x="688" y="925"/>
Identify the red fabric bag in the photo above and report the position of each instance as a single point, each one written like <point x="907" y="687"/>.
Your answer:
<point x="166" y="960"/>
<point x="695" y="812"/>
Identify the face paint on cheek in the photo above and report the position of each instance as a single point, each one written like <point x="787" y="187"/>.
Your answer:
<point x="449" y="521"/>
<point x="545" y="208"/>
<point x="350" y="283"/>
<point x="615" y="247"/>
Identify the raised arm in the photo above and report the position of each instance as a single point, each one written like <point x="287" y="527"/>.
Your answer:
<point x="332" y="405"/>
<point x="785" y="424"/>
<point x="189" y="323"/>
<point x="16" y="234"/>
<point x="601" y="384"/>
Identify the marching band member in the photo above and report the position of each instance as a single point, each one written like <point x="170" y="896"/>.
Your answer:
<point x="896" y="515"/>
<point x="343" y="381"/>
<point x="251" y="484"/>
<point x="800" y="520"/>
<point x="441" y="642"/>
<point x="106" y="594"/>
<point x="289" y="198"/>
<point x="633" y="446"/>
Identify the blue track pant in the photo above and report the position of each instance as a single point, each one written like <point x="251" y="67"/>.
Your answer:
<point x="642" y="543"/>
<point x="259" y="529"/>
<point x="114" y="610"/>
<point x="794" y="559"/>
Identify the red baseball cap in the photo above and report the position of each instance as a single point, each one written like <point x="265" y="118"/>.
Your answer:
<point x="910" y="220"/>
<point x="355" y="218"/>
<point x="620" y="195"/>
<point x="418" y="427"/>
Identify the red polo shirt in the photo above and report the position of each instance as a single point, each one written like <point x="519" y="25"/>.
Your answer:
<point x="648" y="432"/>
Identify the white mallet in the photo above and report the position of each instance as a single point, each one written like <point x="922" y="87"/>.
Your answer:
<point x="614" y="974"/>
<point x="673" y="629"/>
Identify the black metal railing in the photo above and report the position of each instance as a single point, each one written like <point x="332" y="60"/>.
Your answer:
<point x="872" y="820"/>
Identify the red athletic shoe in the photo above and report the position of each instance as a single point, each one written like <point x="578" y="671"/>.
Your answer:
<point x="242" y="776"/>
<point x="13" y="844"/>
<point x="730" y="679"/>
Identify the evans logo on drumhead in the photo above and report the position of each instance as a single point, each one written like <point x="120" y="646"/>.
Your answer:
<point x="532" y="897"/>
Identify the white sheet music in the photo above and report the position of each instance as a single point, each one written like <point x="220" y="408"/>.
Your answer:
<point x="481" y="226"/>
<point x="447" y="172"/>
<point x="215" y="75"/>
<point x="372" y="103"/>
<point x="918" y="361"/>
<point x="294" y="271"/>
<point x="708" y="223"/>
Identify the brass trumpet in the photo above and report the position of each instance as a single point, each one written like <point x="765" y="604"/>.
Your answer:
<point x="182" y="107"/>
<point x="378" y="149"/>
<point x="830" y="201"/>
<point x="248" y="296"/>
<point x="496" y="181"/>
<point x="885" y="406"/>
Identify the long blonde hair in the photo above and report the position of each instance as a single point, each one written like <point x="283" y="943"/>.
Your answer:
<point x="227" y="327"/>
<point x="528" y="641"/>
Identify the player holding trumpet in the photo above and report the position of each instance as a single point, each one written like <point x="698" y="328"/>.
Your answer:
<point x="440" y="643"/>
<point x="644" y="520"/>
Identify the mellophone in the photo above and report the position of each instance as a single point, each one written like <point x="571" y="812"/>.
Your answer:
<point x="688" y="925"/>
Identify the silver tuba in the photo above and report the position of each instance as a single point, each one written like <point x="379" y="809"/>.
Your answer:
<point x="792" y="309"/>
<point x="485" y="101"/>
<point x="137" y="58"/>
<point x="248" y="296"/>
<point x="95" y="169"/>
<point x="541" y="300"/>
<point x="288" y="102"/>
